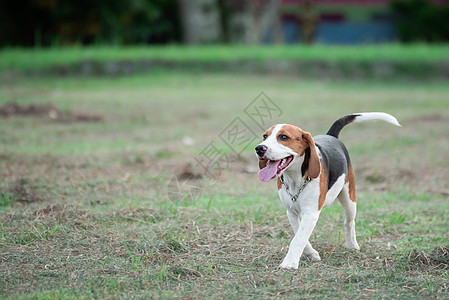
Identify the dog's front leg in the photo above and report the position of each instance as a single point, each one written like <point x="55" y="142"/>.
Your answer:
<point x="309" y="252"/>
<point x="299" y="242"/>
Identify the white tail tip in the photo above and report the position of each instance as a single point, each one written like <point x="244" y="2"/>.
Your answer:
<point x="376" y="116"/>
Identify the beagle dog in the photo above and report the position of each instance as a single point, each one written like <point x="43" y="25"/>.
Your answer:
<point x="311" y="173"/>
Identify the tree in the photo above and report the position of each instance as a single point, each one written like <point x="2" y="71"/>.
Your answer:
<point x="308" y="19"/>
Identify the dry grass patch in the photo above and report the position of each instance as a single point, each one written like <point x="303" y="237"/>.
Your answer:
<point x="94" y="218"/>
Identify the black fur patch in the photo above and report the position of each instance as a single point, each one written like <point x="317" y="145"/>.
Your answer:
<point x="305" y="163"/>
<point x="334" y="155"/>
<point x="339" y="124"/>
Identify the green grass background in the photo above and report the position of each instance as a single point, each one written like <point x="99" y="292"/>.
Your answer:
<point x="28" y="59"/>
<point x="104" y="226"/>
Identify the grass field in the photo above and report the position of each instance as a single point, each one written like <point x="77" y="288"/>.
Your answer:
<point x="29" y="59"/>
<point x="84" y="208"/>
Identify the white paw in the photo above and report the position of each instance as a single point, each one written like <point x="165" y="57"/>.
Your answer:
<point x="289" y="265"/>
<point x="353" y="245"/>
<point x="315" y="256"/>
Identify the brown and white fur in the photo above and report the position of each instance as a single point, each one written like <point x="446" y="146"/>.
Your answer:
<point x="292" y="154"/>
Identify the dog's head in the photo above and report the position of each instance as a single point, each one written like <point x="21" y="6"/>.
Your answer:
<point x="283" y="147"/>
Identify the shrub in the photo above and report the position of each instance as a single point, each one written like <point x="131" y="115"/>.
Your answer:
<point x="46" y="23"/>
<point x="419" y="20"/>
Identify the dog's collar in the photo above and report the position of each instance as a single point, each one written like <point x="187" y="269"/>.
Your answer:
<point x="303" y="186"/>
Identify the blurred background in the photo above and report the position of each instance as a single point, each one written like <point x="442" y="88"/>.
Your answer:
<point x="122" y="174"/>
<point x="47" y="23"/>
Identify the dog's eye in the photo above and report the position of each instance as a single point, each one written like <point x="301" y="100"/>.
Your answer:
<point x="265" y="137"/>
<point x="283" y="137"/>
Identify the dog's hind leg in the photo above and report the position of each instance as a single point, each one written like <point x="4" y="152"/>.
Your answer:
<point x="309" y="252"/>
<point x="350" y="208"/>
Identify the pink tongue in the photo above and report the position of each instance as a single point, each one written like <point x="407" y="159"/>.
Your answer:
<point x="270" y="170"/>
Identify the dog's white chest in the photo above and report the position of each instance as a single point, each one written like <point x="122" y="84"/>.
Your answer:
<point x="311" y="191"/>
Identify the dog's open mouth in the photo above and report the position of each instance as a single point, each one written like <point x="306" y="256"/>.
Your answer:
<point x="274" y="168"/>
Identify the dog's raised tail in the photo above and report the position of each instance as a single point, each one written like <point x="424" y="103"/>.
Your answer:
<point x="360" y="117"/>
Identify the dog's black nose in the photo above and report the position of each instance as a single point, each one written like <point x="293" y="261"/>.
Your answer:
<point x="261" y="149"/>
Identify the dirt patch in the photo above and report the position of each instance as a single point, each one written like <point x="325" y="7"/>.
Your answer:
<point x="435" y="117"/>
<point x="47" y="110"/>
<point x="23" y="191"/>
<point x="14" y="109"/>
<point x="439" y="257"/>
<point x="188" y="173"/>
<point x="84" y="117"/>
<point x="48" y="210"/>
<point x="408" y="69"/>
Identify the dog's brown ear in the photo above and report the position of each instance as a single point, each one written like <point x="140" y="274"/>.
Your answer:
<point x="263" y="163"/>
<point x="314" y="166"/>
